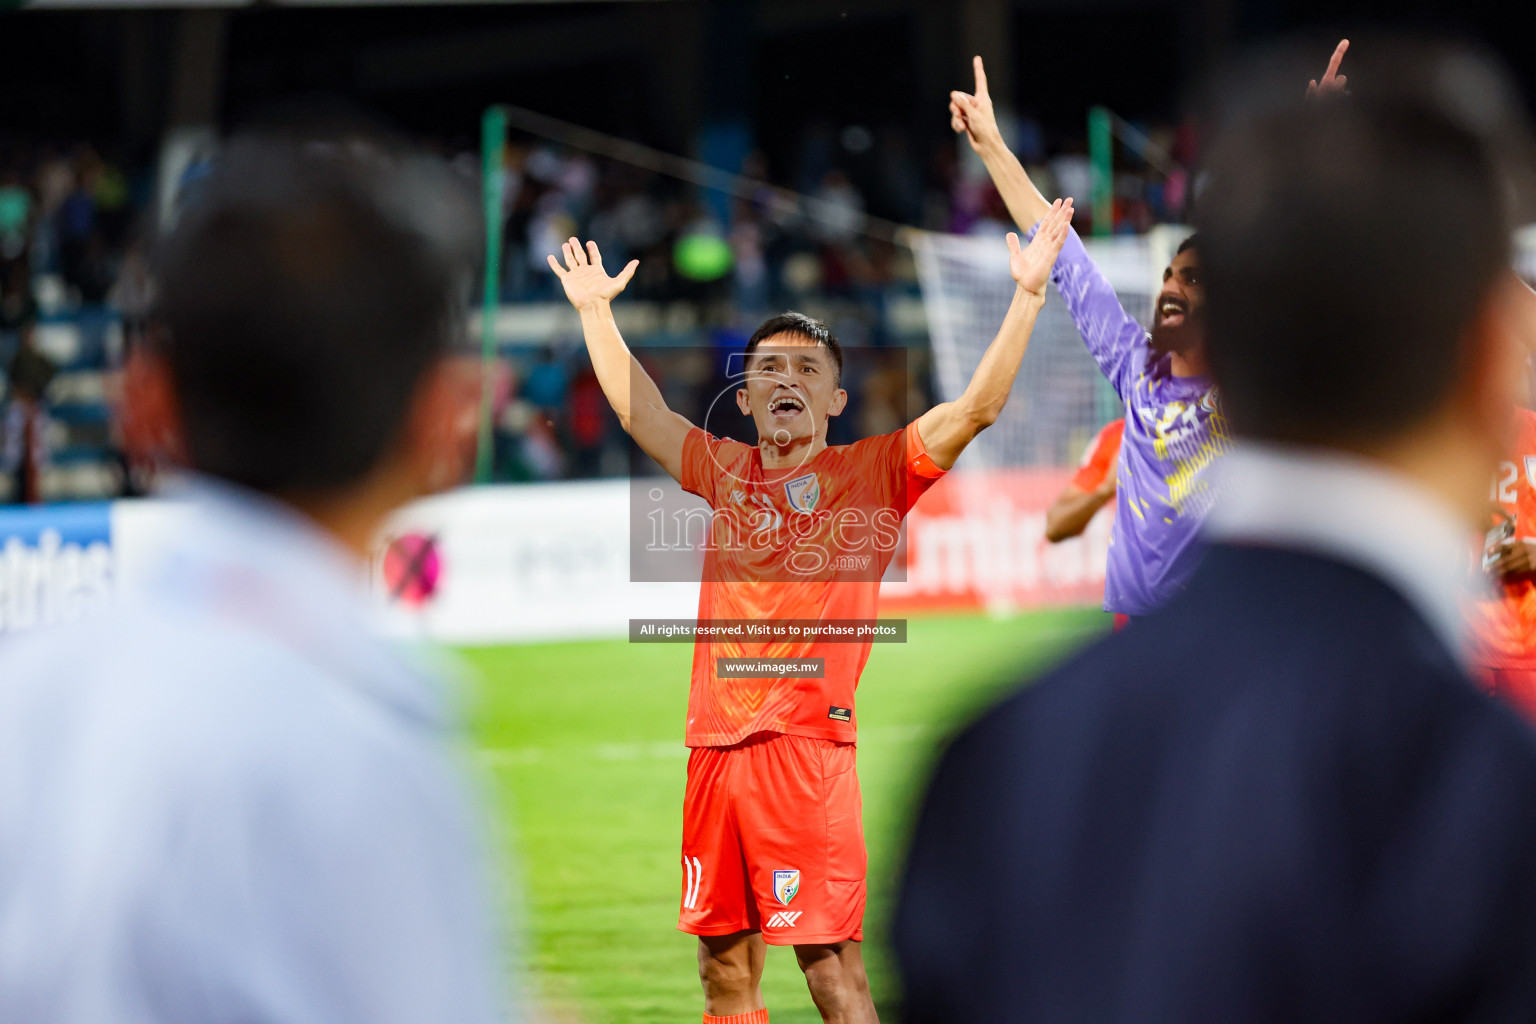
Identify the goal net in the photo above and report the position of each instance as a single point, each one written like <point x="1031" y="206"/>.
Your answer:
<point x="1060" y="399"/>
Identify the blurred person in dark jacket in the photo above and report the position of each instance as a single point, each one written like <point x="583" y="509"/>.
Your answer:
<point x="1280" y="797"/>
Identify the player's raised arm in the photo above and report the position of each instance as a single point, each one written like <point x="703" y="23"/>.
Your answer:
<point x="1074" y="508"/>
<point x="946" y="429"/>
<point x="1107" y="329"/>
<point x="972" y="114"/>
<point x="629" y="389"/>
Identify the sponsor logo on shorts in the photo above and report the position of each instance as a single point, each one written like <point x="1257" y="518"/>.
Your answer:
<point x="786" y="883"/>
<point x="785" y="919"/>
<point x="840" y="714"/>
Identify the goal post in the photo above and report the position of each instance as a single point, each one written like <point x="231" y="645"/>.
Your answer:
<point x="493" y="142"/>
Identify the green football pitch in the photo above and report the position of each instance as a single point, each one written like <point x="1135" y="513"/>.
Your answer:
<point x="583" y="743"/>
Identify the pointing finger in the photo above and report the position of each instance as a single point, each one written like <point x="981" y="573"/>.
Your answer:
<point x="1338" y="55"/>
<point x="981" y="76"/>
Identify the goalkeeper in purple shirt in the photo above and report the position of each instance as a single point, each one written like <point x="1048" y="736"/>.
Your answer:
<point x="1174" y="427"/>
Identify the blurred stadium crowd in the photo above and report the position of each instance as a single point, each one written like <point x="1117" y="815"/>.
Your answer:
<point x="765" y="251"/>
<point x="73" y="277"/>
<point x="75" y="282"/>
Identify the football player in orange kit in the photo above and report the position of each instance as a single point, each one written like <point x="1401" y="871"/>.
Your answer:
<point x="773" y="845"/>
<point x="1091" y="487"/>
<point x="1506" y="625"/>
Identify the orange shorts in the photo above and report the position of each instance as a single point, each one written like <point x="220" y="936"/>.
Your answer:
<point x="773" y="841"/>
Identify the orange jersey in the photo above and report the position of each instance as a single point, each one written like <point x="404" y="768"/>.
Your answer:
<point x="807" y="543"/>
<point x="1100" y="458"/>
<point x="1506" y="628"/>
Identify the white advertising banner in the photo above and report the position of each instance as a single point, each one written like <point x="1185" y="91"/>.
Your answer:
<point x="552" y="561"/>
<point x="509" y="564"/>
<point x="532" y="562"/>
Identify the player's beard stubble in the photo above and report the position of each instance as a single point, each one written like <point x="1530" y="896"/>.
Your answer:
<point x="1182" y="338"/>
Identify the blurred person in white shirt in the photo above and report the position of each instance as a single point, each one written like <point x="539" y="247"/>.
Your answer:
<point x="226" y="799"/>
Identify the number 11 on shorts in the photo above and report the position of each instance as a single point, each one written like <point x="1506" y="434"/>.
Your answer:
<point x="693" y="875"/>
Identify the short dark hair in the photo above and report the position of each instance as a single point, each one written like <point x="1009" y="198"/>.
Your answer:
<point x="1347" y="243"/>
<point x="304" y="293"/>
<point x="798" y="323"/>
<point x="1192" y="242"/>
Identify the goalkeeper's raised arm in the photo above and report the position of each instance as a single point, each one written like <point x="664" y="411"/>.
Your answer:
<point x="642" y="412"/>
<point x="1111" y="334"/>
<point x="972" y="113"/>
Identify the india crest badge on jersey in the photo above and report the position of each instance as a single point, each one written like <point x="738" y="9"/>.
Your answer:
<point x="785" y="884"/>
<point x="803" y="492"/>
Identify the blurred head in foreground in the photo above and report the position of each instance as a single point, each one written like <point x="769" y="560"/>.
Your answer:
<point x="1357" y="262"/>
<point x="310" y="298"/>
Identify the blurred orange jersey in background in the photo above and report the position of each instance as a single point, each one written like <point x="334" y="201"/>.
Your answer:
<point x="1101" y="458"/>
<point x="1505" y="627"/>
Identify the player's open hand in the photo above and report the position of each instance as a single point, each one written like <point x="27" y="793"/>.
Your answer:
<point x="1331" y="81"/>
<point x="583" y="277"/>
<point x="1031" y="265"/>
<point x="972" y="113"/>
